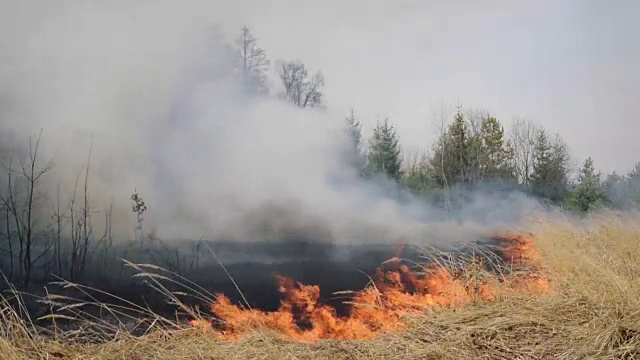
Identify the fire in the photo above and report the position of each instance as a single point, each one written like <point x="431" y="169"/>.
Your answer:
<point x="520" y="250"/>
<point x="381" y="307"/>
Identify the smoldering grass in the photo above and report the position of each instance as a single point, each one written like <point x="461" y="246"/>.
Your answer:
<point x="137" y="315"/>
<point x="228" y="274"/>
<point x="154" y="279"/>
<point x="89" y="320"/>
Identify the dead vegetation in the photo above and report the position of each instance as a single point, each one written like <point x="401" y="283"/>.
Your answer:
<point x="593" y="312"/>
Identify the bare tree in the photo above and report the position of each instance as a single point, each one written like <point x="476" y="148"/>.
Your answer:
<point x="104" y="246"/>
<point x="8" y="237"/>
<point x="58" y="217"/>
<point x="86" y="219"/>
<point x="81" y="228"/>
<point x="253" y="61"/>
<point x="22" y="209"/>
<point x="523" y="141"/>
<point x="76" y="225"/>
<point x="299" y="87"/>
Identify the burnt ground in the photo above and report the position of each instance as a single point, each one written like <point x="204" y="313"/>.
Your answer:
<point x="253" y="267"/>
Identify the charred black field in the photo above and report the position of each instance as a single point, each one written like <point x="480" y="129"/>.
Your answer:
<point x="333" y="268"/>
<point x="245" y="272"/>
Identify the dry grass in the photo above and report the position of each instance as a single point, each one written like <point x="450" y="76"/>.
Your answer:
<point x="595" y="313"/>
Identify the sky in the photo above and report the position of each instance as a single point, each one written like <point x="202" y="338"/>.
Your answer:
<point x="571" y="66"/>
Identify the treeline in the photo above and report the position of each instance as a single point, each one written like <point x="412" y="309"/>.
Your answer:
<point x="472" y="150"/>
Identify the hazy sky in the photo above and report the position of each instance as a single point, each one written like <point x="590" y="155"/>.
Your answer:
<point x="572" y="65"/>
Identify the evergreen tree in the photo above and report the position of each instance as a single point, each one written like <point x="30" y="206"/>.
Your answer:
<point x="354" y="155"/>
<point x="560" y="161"/>
<point x="589" y="193"/>
<point x="623" y="191"/>
<point x="452" y="155"/>
<point x="549" y="179"/>
<point x="384" y="151"/>
<point x="616" y="189"/>
<point x="471" y="152"/>
<point x="541" y="163"/>
<point x="632" y="186"/>
<point x="419" y="176"/>
<point x="460" y="148"/>
<point x="496" y="160"/>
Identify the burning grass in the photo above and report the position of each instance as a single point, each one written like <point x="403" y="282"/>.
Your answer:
<point x="392" y="295"/>
<point x="572" y="293"/>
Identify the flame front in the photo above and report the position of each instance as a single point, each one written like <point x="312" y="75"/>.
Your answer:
<point x="380" y="307"/>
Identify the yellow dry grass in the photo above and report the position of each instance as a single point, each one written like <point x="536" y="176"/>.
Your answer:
<point x="594" y="314"/>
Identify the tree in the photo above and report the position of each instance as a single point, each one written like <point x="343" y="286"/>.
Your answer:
<point x="252" y="61"/>
<point x="384" y="151"/>
<point x="588" y="194"/>
<point x="561" y="167"/>
<point x="354" y="156"/>
<point x="623" y="191"/>
<point x="490" y="156"/>
<point x="635" y="172"/>
<point x="471" y="151"/>
<point x="550" y="175"/>
<point x="418" y="175"/>
<point x="21" y="204"/>
<point x="460" y="141"/>
<point x="300" y="88"/>
<point x="616" y="191"/>
<point x="523" y="138"/>
<point x="542" y="165"/>
<point x="633" y="185"/>
<point x="454" y="153"/>
<point x="81" y="222"/>
<point x="496" y="154"/>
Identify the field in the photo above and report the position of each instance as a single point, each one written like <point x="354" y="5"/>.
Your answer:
<point x="591" y="310"/>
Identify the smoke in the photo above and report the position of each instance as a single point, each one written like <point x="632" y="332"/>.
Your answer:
<point x="149" y="89"/>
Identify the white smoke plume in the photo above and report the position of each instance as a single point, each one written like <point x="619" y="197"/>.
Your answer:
<point x="146" y="86"/>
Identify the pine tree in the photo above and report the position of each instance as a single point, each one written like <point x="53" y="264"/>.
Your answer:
<point x="589" y="193"/>
<point x="633" y="185"/>
<point x="615" y="189"/>
<point x="550" y="168"/>
<point x="496" y="153"/>
<point x="635" y="172"/>
<point x="384" y="151"/>
<point x="354" y="156"/>
<point x="460" y="148"/>
<point x="559" y="177"/>
<point x="541" y="163"/>
<point x="452" y="153"/>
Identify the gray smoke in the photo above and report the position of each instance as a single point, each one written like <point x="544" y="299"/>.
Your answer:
<point x="150" y="89"/>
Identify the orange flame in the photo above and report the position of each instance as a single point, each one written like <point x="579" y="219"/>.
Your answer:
<point x="520" y="250"/>
<point x="381" y="307"/>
